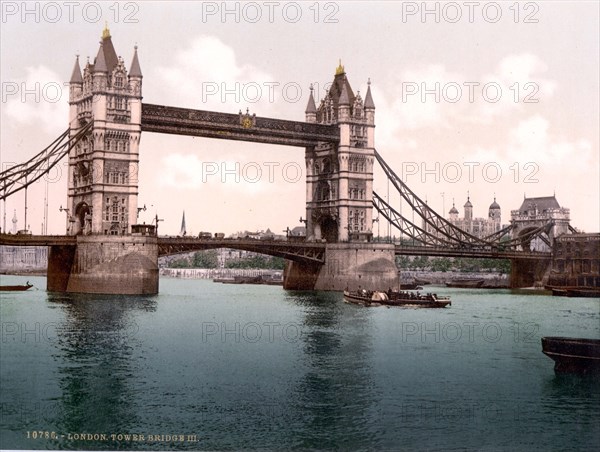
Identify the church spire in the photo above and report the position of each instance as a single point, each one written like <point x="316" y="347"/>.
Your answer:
<point x="183" y="230"/>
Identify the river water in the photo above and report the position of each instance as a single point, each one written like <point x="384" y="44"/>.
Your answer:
<point x="205" y="366"/>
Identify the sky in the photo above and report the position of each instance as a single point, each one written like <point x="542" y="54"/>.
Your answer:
<point x="484" y="99"/>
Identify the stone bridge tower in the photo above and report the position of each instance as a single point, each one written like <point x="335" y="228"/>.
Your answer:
<point x="103" y="167"/>
<point x="339" y="178"/>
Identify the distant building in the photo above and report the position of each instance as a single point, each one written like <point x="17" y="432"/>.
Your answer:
<point x="479" y="227"/>
<point x="536" y="212"/>
<point x="576" y="261"/>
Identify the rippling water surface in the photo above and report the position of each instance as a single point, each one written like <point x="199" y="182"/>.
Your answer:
<point x="212" y="366"/>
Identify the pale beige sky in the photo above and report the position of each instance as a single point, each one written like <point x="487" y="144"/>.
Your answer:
<point x="497" y="98"/>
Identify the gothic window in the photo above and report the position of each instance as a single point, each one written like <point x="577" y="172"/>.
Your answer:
<point x="115" y="211"/>
<point x="119" y="81"/>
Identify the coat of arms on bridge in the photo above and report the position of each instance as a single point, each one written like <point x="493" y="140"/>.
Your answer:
<point x="247" y="121"/>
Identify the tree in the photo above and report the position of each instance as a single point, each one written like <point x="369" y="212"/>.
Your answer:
<point x="403" y="261"/>
<point x="442" y="264"/>
<point x="205" y="259"/>
<point x="180" y="263"/>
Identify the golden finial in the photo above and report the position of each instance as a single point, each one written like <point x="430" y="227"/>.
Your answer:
<point x="106" y="31"/>
<point x="340" y="69"/>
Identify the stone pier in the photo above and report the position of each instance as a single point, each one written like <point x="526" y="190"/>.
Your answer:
<point x="528" y="272"/>
<point x="105" y="265"/>
<point x="347" y="265"/>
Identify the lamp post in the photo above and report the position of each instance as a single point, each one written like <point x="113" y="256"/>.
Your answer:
<point x="139" y="209"/>
<point x="443" y="204"/>
<point x="61" y="209"/>
<point x="156" y="220"/>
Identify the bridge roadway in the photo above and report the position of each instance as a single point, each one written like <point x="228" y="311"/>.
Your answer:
<point x="402" y="250"/>
<point x="212" y="124"/>
<point x="295" y="251"/>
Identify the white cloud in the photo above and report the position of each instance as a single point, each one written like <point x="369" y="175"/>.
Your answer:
<point x="187" y="171"/>
<point x="516" y="82"/>
<point x="208" y="75"/>
<point x="531" y="140"/>
<point x="40" y="99"/>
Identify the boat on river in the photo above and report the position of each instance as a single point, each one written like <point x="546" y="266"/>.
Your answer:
<point x="572" y="354"/>
<point x="465" y="283"/>
<point x="396" y="298"/>
<point x="260" y="279"/>
<point x="575" y="291"/>
<point x="16" y="288"/>
<point x="410" y="286"/>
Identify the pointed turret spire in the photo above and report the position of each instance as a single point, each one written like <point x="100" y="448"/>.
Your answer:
<point x="135" y="70"/>
<point x="310" y="106"/>
<point x="100" y="62"/>
<point x="369" y="98"/>
<point x="76" y="75"/>
<point x="344" y="97"/>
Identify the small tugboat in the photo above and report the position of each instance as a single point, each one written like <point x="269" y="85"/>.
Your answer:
<point x="396" y="298"/>
<point x="16" y="288"/>
<point x="573" y="355"/>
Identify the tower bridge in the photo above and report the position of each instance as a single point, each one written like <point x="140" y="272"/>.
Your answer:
<point x="104" y="251"/>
